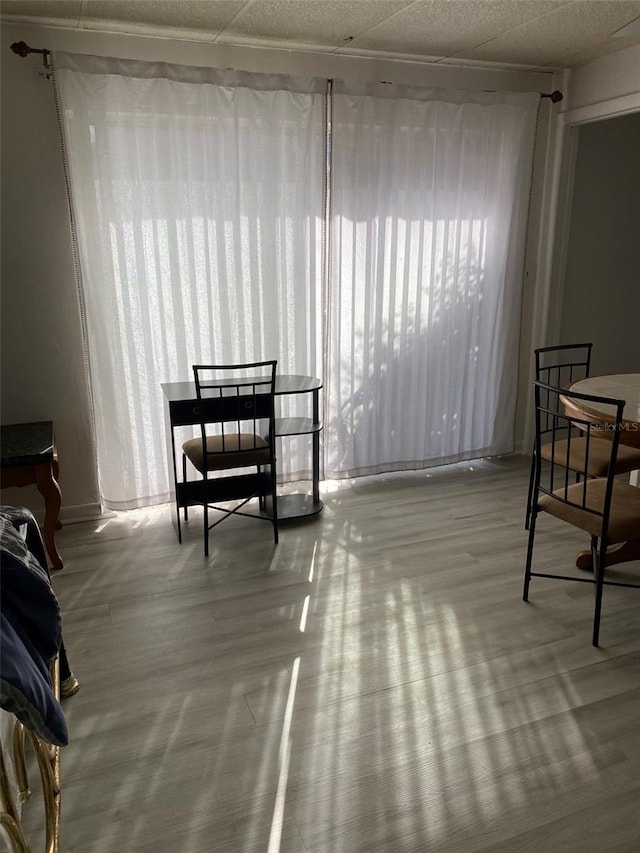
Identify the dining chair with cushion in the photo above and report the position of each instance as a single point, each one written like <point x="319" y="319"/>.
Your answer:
<point x="603" y="507"/>
<point x="561" y="366"/>
<point x="237" y="432"/>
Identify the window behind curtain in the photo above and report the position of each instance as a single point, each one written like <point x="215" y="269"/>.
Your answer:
<point x="429" y="201"/>
<point x="199" y="210"/>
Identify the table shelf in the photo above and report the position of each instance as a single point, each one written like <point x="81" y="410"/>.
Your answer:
<point x="297" y="506"/>
<point x="296" y="426"/>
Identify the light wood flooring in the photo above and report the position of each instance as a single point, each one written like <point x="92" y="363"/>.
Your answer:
<point x="374" y="683"/>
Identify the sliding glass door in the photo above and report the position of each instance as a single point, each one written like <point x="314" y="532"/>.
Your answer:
<point x="207" y="232"/>
<point x="199" y="209"/>
<point x="429" y="200"/>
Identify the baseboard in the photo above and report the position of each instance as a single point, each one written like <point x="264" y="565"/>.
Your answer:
<point x="82" y="512"/>
<point x="76" y="514"/>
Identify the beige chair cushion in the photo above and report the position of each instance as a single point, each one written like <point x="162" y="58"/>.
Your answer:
<point x="624" y="519"/>
<point x="240" y="451"/>
<point x="628" y="458"/>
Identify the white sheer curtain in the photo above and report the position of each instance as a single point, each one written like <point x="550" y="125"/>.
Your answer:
<point x="200" y="210"/>
<point x="429" y="200"/>
<point x="198" y="198"/>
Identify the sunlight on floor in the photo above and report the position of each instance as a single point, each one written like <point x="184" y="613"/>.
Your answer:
<point x="373" y="683"/>
<point x="283" y="758"/>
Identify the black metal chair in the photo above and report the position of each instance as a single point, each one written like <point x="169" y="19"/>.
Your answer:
<point x="560" y="366"/>
<point x="237" y="431"/>
<point x="606" y="509"/>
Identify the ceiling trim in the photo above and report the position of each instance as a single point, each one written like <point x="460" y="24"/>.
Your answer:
<point x="604" y="109"/>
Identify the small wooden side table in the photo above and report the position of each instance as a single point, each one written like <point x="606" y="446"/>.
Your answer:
<point x="28" y="458"/>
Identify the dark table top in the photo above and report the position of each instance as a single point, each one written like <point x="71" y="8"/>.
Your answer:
<point x="26" y="444"/>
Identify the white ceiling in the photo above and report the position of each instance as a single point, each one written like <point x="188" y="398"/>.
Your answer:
<point x="541" y="34"/>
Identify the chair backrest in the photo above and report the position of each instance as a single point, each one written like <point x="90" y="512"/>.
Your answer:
<point x="561" y="365"/>
<point x="554" y="424"/>
<point x="237" y="399"/>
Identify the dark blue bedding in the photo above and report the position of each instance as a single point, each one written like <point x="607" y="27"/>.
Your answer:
<point x="31" y="633"/>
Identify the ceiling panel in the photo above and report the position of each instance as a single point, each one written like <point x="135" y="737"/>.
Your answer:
<point x="544" y="41"/>
<point x="443" y="28"/>
<point x="325" y="22"/>
<point x="546" y="34"/>
<point x="51" y="9"/>
<point x="195" y="15"/>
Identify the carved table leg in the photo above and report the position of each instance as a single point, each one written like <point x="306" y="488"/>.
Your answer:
<point x="56" y="477"/>
<point x="50" y="491"/>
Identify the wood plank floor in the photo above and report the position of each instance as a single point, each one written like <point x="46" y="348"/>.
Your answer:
<point x="374" y="683"/>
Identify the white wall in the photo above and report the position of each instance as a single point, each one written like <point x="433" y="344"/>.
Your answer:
<point x="601" y="89"/>
<point x="604" y="87"/>
<point x="42" y="357"/>
<point x="602" y="279"/>
<point x="597" y="255"/>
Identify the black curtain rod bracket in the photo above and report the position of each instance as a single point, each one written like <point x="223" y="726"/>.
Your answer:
<point x="23" y="50"/>
<point x="555" y="97"/>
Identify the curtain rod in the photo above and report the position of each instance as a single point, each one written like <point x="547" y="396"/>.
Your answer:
<point x="23" y="49"/>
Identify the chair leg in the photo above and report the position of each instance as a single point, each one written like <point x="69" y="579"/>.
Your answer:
<point x="532" y="474"/>
<point x="184" y="480"/>
<point x="598" y="562"/>
<point x="178" y="520"/>
<point x="274" y="500"/>
<point x="261" y="502"/>
<point x="205" y="507"/>
<point x="527" y="570"/>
